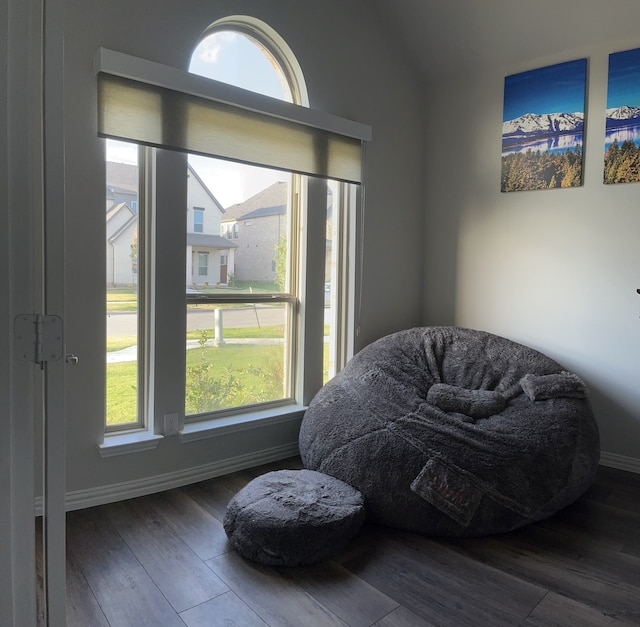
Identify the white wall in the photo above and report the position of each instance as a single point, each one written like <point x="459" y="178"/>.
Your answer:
<point x="557" y="270"/>
<point x="352" y="70"/>
<point x="198" y="197"/>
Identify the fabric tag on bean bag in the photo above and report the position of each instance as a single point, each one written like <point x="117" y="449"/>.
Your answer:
<point x="448" y="490"/>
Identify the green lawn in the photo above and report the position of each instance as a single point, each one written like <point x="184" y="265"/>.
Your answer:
<point x="232" y="376"/>
<point x="236" y="375"/>
<point x="121" y="393"/>
<point x="274" y="331"/>
<point x="218" y="378"/>
<point x="122" y="295"/>
<point x="122" y="299"/>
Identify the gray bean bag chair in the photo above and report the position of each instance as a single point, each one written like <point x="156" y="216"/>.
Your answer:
<point x="454" y="432"/>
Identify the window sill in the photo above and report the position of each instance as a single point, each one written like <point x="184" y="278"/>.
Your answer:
<point x="241" y="422"/>
<point x="133" y="442"/>
<point x="138" y="441"/>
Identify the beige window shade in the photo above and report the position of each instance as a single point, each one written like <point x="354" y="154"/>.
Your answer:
<point x="156" y="115"/>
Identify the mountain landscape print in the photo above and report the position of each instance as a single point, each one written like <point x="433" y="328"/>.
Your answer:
<point x="622" y="135"/>
<point x="543" y="127"/>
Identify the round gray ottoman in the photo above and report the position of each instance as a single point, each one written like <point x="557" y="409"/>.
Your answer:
<point x="293" y="517"/>
<point x="454" y="432"/>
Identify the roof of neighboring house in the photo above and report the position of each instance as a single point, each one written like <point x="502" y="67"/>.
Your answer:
<point x="122" y="191"/>
<point x="114" y="209"/>
<point x="209" y="241"/>
<point x="269" y="201"/>
<point x="123" y="206"/>
<point x="124" y="177"/>
<point x="263" y="212"/>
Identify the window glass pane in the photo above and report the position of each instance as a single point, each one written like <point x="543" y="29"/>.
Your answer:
<point x="238" y="59"/>
<point x="330" y="269"/>
<point x="337" y="308"/>
<point x="243" y="241"/>
<point x="122" y="282"/>
<point x="238" y="353"/>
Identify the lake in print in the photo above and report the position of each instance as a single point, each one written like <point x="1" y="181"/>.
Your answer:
<point x="557" y="144"/>
<point x="627" y="133"/>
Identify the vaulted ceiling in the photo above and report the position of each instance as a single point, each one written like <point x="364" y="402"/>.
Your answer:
<point x="458" y="36"/>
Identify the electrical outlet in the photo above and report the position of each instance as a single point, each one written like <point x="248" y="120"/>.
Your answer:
<point x="171" y="424"/>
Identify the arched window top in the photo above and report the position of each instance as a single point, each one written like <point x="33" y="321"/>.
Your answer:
<point x="245" y="52"/>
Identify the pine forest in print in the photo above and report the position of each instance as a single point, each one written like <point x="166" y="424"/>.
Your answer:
<point x="543" y="127"/>
<point x="622" y="135"/>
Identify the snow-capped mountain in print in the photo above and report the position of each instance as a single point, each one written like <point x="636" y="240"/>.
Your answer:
<point x="532" y="125"/>
<point x="623" y="116"/>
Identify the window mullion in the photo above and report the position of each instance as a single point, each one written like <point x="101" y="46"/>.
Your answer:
<point x="169" y="275"/>
<point x="312" y="293"/>
<point x="146" y="255"/>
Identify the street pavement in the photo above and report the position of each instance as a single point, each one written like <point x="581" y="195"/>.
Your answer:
<point x="125" y="324"/>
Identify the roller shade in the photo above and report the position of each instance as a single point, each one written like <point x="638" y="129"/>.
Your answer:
<point x="164" y="107"/>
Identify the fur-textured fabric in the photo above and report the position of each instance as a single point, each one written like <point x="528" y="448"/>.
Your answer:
<point x="293" y="517"/>
<point x="423" y="469"/>
<point x="546" y="386"/>
<point x="471" y="403"/>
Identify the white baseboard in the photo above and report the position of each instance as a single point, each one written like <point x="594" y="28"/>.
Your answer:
<point x="80" y="499"/>
<point x="101" y="495"/>
<point x="621" y="462"/>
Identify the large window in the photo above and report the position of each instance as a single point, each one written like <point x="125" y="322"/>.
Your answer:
<point x="267" y="306"/>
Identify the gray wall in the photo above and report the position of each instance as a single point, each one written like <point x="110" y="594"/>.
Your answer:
<point x="557" y="270"/>
<point x="20" y="213"/>
<point x="352" y="70"/>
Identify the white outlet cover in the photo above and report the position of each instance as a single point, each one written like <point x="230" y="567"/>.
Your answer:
<point x="171" y="424"/>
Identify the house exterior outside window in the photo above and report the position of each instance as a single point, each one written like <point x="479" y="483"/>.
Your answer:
<point x="265" y="216"/>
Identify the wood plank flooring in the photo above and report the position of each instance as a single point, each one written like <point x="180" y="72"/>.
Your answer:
<point x="164" y="560"/>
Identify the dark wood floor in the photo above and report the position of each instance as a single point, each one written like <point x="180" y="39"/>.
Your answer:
<point x="164" y="560"/>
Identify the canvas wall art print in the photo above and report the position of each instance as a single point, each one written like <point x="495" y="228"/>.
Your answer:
<point x="543" y="127"/>
<point x="622" y="134"/>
